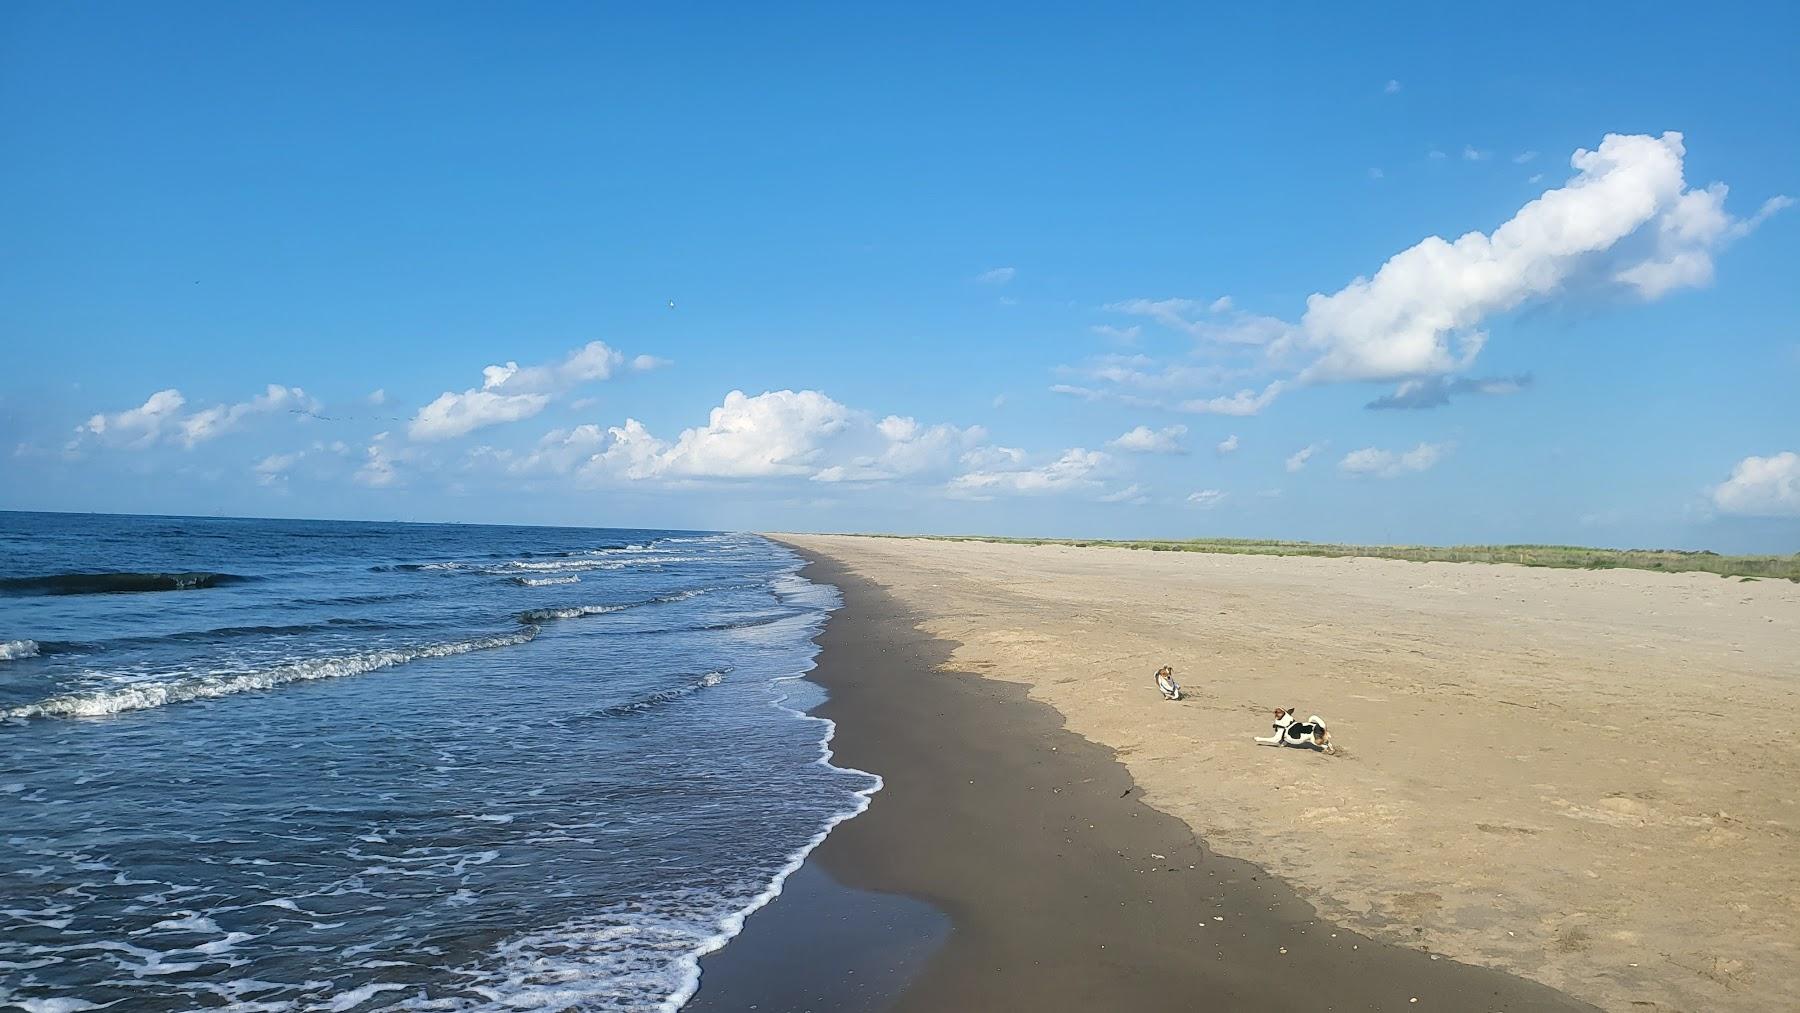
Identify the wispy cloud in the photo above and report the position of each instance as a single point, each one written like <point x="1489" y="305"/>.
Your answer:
<point x="1297" y="460"/>
<point x="1122" y="335"/>
<point x="1245" y="402"/>
<point x="1074" y="470"/>
<point x="1379" y="463"/>
<point x="1134" y="494"/>
<point x="1216" y="322"/>
<point x="997" y="276"/>
<point x="1144" y="440"/>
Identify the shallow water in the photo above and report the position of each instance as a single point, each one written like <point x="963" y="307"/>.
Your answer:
<point x="316" y="765"/>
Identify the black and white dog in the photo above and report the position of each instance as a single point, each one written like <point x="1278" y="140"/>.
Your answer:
<point x="1289" y="732"/>
<point x="1165" y="683"/>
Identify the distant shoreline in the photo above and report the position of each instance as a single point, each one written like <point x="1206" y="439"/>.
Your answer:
<point x="1565" y="557"/>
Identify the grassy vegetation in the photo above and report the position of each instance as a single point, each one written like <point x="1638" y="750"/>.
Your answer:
<point x="1564" y="556"/>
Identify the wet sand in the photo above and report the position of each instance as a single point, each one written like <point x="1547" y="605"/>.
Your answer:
<point x="1063" y="889"/>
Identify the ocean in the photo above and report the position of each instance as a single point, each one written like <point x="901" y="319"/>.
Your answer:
<point x="269" y="765"/>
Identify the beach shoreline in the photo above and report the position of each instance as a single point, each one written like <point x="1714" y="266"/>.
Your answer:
<point x="1541" y="770"/>
<point x="1063" y="889"/>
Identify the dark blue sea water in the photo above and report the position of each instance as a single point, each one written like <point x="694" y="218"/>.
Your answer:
<point x="284" y="765"/>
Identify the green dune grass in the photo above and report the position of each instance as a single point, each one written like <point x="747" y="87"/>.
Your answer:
<point x="1563" y="556"/>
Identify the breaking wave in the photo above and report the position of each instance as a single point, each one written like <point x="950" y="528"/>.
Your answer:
<point x="580" y="611"/>
<point x="143" y="695"/>
<point x="545" y="581"/>
<point x="12" y="650"/>
<point x="115" y="583"/>
<point x="571" y="612"/>
<point x="654" y="700"/>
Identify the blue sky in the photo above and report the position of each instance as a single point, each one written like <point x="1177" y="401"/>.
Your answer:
<point x="950" y="262"/>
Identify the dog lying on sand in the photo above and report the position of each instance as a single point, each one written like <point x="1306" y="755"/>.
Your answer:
<point x="1165" y="683"/>
<point x="1289" y="732"/>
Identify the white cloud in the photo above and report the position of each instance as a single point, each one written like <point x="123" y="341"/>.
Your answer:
<point x="1298" y="458"/>
<point x="1421" y="313"/>
<point x="1134" y="494"/>
<point x="1206" y="499"/>
<point x="1390" y="464"/>
<point x="140" y="426"/>
<point x="160" y="417"/>
<point x="1470" y="154"/>
<point x="1686" y="235"/>
<point x="784" y="434"/>
<point x="997" y="276"/>
<point x="273" y="468"/>
<point x="1073" y="470"/>
<point x="1244" y="402"/>
<point x="378" y="396"/>
<point x="512" y="392"/>
<point x="631" y="453"/>
<point x="1524" y="156"/>
<point x="1762" y="487"/>
<point x="378" y="469"/>
<point x="1436" y="155"/>
<point x="777" y="433"/>
<point x="1228" y="445"/>
<point x="559" y="451"/>
<point x="454" y="415"/>
<point x="1144" y="440"/>
<point x="911" y="448"/>
<point x="1375" y="173"/>
<point x="221" y="419"/>
<point x="1391" y="88"/>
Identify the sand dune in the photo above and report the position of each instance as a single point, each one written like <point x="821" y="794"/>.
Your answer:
<point x="1587" y="778"/>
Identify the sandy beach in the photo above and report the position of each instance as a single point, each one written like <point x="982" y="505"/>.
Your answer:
<point x="1578" y="778"/>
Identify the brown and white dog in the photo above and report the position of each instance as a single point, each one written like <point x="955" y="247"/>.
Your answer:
<point x="1165" y="683"/>
<point x="1289" y="732"/>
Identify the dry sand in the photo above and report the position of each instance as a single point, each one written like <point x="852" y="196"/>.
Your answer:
<point x="1587" y="778"/>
